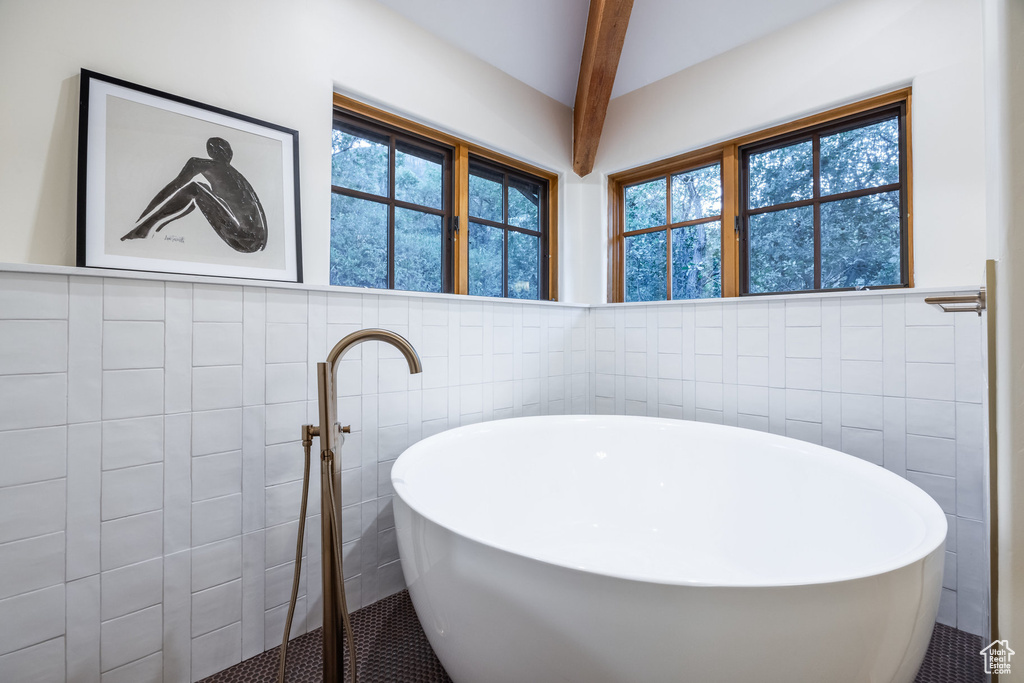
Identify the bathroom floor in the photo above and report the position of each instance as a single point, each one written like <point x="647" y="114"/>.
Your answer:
<point x="392" y="648"/>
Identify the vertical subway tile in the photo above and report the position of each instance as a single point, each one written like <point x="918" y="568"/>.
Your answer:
<point x="177" y="498"/>
<point x="83" y="500"/>
<point x="777" y="344"/>
<point x="730" y="341"/>
<point x="970" y="461"/>
<point x="178" y="348"/>
<point x="894" y="352"/>
<point x="970" y="369"/>
<point x="177" y="613"/>
<point x="777" y="410"/>
<point x="254" y="467"/>
<point x="831" y="420"/>
<point x="971" y="576"/>
<point x="253" y="602"/>
<point x="254" y="345"/>
<point x="85" y="358"/>
<point x="316" y="339"/>
<point x="831" y="367"/>
<point x="83" y="629"/>
<point x="894" y="435"/>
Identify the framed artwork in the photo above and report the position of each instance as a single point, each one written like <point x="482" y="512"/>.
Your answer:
<point x="170" y="185"/>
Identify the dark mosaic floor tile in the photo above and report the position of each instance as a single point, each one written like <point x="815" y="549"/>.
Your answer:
<point x="392" y="648"/>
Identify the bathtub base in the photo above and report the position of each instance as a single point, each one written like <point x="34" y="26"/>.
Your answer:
<point x="496" y="617"/>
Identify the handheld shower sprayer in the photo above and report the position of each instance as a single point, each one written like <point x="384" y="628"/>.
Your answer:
<point x="329" y="433"/>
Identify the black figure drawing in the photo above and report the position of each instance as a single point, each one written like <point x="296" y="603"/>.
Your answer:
<point x="223" y="195"/>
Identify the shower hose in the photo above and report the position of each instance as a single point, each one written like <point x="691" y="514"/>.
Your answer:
<point x="327" y="472"/>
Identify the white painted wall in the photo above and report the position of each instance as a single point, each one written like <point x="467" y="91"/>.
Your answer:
<point x="852" y="51"/>
<point x="282" y="61"/>
<point x="275" y="60"/>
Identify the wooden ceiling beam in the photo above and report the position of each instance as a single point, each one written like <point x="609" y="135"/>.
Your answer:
<point x="606" y="31"/>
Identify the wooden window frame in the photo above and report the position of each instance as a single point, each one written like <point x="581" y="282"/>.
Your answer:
<point x="458" y="229"/>
<point x="728" y="154"/>
<point x="396" y="137"/>
<point x="507" y="173"/>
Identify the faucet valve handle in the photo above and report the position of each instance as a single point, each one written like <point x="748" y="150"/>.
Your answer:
<point x="347" y="429"/>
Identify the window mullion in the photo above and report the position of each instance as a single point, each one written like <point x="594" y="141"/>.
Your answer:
<point x="816" y="171"/>
<point x="730" y="229"/>
<point x="392" y="169"/>
<point x="461" y="241"/>
<point x="668" y="237"/>
<point x="668" y="263"/>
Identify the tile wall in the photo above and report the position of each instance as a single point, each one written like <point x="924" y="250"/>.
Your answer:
<point x="886" y="378"/>
<point x="150" y="464"/>
<point x="150" y="467"/>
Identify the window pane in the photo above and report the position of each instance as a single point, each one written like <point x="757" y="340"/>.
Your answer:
<point x="861" y="158"/>
<point x="645" y="205"/>
<point x="360" y="161"/>
<point x="697" y="261"/>
<point x="485" y="199"/>
<point x="523" y="264"/>
<point x="523" y="203"/>
<point x="781" y="250"/>
<point x="359" y="242"/>
<point x="697" y="194"/>
<point x="860" y="241"/>
<point x="486" y="259"/>
<point x="781" y="175"/>
<point x="418" y="176"/>
<point x="418" y="243"/>
<point x="646" y="267"/>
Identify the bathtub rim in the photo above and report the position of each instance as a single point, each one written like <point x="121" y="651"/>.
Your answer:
<point x="929" y="510"/>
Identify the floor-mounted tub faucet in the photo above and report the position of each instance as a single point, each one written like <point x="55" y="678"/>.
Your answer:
<point x="335" y="607"/>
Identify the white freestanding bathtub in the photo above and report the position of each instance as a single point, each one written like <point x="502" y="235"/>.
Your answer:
<point x="592" y="549"/>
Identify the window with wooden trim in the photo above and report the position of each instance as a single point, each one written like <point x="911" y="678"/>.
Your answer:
<point x="391" y="208"/>
<point x="823" y="208"/>
<point x="673" y="236"/>
<point x="507" y="226"/>
<point x="416" y="209"/>
<point x="821" y="204"/>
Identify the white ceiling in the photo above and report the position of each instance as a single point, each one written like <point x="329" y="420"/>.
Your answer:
<point x="540" y="42"/>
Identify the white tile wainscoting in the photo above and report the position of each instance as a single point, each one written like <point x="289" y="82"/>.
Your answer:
<point x="150" y="465"/>
<point x="150" y="469"/>
<point x="884" y="377"/>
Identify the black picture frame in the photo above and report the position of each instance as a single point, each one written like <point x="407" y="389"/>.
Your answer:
<point x="148" y="159"/>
